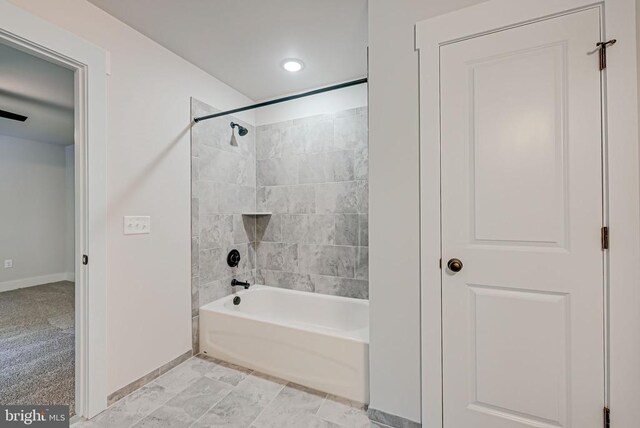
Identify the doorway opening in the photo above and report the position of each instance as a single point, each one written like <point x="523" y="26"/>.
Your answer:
<point x="37" y="231"/>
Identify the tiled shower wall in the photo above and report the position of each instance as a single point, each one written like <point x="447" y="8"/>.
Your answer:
<point x="312" y="174"/>
<point x="223" y="186"/>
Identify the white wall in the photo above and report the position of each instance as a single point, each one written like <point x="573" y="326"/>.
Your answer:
<point x="34" y="229"/>
<point x="326" y="103"/>
<point x="148" y="173"/>
<point x="394" y="289"/>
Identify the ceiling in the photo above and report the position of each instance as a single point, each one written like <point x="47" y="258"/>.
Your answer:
<point x="243" y="42"/>
<point x="36" y="88"/>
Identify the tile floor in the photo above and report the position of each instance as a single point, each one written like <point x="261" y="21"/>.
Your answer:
<point x="203" y="393"/>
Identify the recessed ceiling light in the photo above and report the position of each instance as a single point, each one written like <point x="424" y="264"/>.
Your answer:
<point x="292" y="65"/>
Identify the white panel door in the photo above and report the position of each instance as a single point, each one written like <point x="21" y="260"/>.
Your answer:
<point x="522" y="209"/>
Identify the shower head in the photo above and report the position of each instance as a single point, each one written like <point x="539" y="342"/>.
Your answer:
<point x="241" y="129"/>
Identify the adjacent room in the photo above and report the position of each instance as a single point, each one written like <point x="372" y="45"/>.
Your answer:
<point x="37" y="232"/>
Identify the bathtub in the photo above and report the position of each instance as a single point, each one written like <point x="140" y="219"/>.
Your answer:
<point x="311" y="339"/>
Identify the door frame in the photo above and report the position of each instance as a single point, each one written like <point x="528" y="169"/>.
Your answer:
<point x="35" y="36"/>
<point x="621" y="187"/>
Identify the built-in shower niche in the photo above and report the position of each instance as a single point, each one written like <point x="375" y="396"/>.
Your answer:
<point x="291" y="197"/>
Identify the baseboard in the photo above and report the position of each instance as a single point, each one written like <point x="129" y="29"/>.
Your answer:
<point x="36" y="280"/>
<point x="139" y="383"/>
<point x="390" y="420"/>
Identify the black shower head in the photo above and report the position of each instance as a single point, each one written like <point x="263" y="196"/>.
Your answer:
<point x="241" y="129"/>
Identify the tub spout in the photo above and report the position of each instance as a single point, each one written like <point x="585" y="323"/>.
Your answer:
<point x="236" y="283"/>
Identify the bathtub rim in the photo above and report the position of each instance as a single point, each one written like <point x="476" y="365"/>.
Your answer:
<point x="358" y="335"/>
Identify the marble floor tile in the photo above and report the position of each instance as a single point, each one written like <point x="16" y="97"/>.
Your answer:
<point x="184" y="375"/>
<point x="344" y="413"/>
<point x="291" y="408"/>
<point x="259" y="388"/>
<point x="203" y="392"/>
<point x="189" y="405"/>
<point x="131" y="408"/>
<point x="225" y="372"/>
<point x="233" y="411"/>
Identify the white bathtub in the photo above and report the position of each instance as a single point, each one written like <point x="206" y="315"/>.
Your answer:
<point x="311" y="339"/>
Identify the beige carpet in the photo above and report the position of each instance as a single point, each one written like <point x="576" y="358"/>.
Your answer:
<point x="37" y="348"/>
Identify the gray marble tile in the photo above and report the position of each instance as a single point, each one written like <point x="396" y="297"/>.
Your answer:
<point x="295" y="406"/>
<point x="362" y="263"/>
<point x="277" y="171"/>
<point x="184" y="375"/>
<point x="189" y="405"/>
<point x="277" y="256"/>
<point x="327" y="260"/>
<point x="226" y="167"/>
<point x="260" y="388"/>
<point x="344" y="413"/>
<point x="361" y="164"/>
<point x="347" y="229"/>
<point x="363" y="220"/>
<point x="165" y="417"/>
<point x="269" y="228"/>
<point x="213" y="265"/>
<point x="195" y="216"/>
<point x="133" y="386"/>
<point x="345" y="287"/>
<point x="351" y="112"/>
<point x="234" y="199"/>
<point x="346" y="197"/>
<point x="216" y="231"/>
<point x="269" y="142"/>
<point x="391" y="420"/>
<point x="195" y="334"/>
<point x="288" y="280"/>
<point x="195" y="295"/>
<point x="296" y="420"/>
<point x="208" y="199"/>
<point x="195" y="255"/>
<point x="234" y="411"/>
<point x="214" y="290"/>
<point x="308" y="229"/>
<point x="326" y="167"/>
<point x="308" y="135"/>
<point x="133" y="407"/>
<point x="226" y="372"/>
<point x="195" y="177"/>
<point x="301" y="199"/>
<point x="350" y="132"/>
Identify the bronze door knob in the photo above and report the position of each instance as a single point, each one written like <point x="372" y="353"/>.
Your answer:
<point x="454" y="265"/>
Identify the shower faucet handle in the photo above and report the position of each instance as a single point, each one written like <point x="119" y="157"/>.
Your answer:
<point x="233" y="258"/>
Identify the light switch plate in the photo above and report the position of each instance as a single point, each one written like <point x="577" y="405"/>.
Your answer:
<point x="8" y="263"/>
<point x="137" y="225"/>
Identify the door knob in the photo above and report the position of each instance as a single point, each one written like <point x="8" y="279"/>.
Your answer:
<point x="454" y="265"/>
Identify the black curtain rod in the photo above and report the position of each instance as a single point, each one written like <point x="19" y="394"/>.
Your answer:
<point x="283" y="99"/>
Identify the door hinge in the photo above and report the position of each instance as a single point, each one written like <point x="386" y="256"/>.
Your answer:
<point x="85" y="259"/>
<point x="440" y="263"/>
<point x="602" y="48"/>
<point x="607" y="418"/>
<point x="604" y="237"/>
